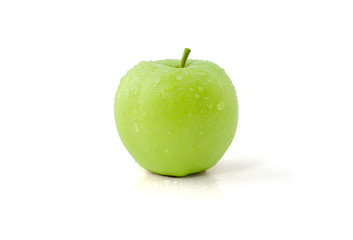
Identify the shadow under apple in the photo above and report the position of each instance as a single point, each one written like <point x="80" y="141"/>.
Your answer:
<point x="200" y="186"/>
<point x="207" y="185"/>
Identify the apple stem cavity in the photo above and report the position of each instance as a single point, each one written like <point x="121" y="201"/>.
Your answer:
<point x="185" y="57"/>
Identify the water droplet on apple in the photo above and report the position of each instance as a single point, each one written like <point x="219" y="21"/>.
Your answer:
<point x="178" y="77"/>
<point x="221" y="105"/>
<point x="200" y="132"/>
<point x="136" y="127"/>
<point x="157" y="81"/>
<point x="210" y="106"/>
<point x="128" y="79"/>
<point x="135" y="91"/>
<point x="197" y="95"/>
<point x="166" y="150"/>
<point x="200" y="88"/>
<point x="191" y="89"/>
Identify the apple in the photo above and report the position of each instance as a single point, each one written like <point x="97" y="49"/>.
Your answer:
<point x="176" y="117"/>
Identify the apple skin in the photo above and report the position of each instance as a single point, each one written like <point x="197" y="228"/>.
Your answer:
<point x="176" y="121"/>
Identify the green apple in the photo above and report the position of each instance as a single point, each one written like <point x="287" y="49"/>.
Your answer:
<point x="176" y="117"/>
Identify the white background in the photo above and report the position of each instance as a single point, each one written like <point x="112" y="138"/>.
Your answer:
<point x="64" y="173"/>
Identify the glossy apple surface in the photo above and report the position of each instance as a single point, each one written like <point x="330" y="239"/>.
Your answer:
<point x="176" y="121"/>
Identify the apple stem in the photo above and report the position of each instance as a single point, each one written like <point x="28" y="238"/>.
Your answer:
<point x="185" y="57"/>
